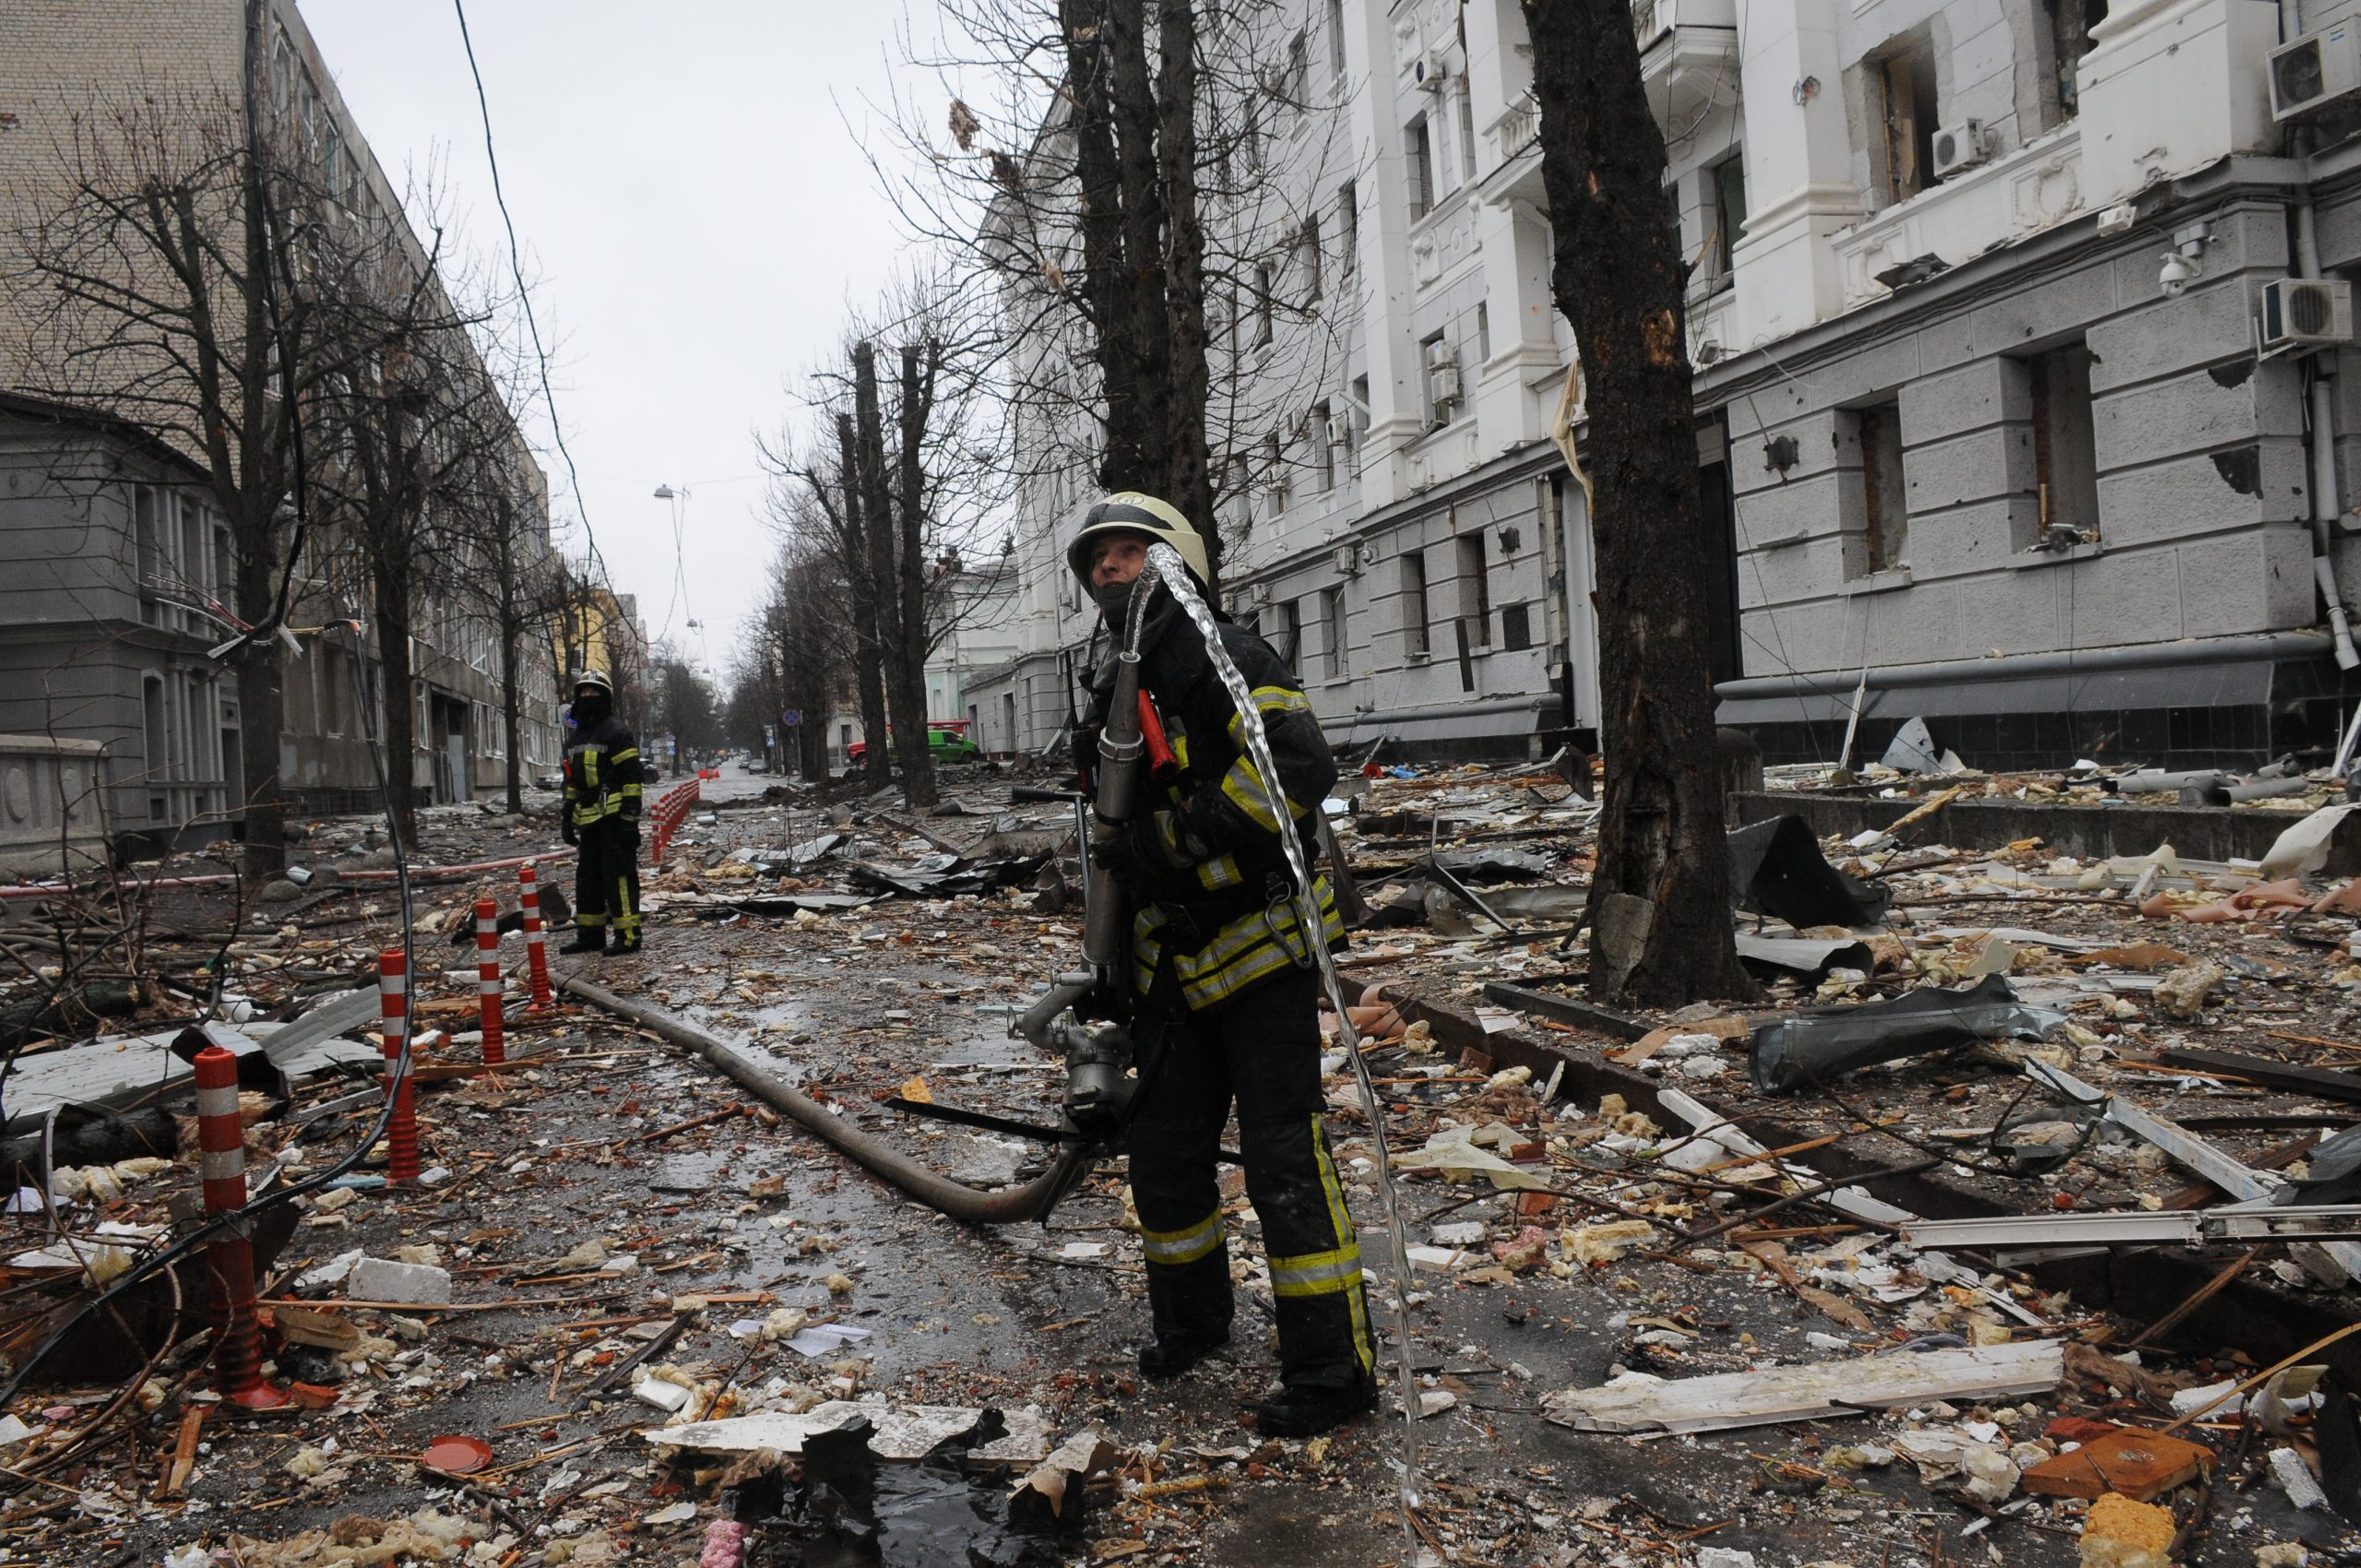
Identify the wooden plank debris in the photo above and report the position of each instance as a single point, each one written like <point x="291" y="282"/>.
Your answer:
<point x="1812" y="1392"/>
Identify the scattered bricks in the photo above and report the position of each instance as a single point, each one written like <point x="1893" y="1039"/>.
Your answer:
<point x="410" y="1284"/>
<point x="2135" y="1464"/>
<point x="489" y="982"/>
<point x="2120" y="1533"/>
<point x="1531" y="1203"/>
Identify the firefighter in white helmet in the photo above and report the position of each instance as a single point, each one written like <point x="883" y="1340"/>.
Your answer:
<point x="1228" y="995"/>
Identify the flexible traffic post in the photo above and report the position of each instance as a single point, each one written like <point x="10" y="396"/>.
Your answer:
<point x="221" y="1162"/>
<point x="536" y="957"/>
<point x="489" y="983"/>
<point x="401" y="1132"/>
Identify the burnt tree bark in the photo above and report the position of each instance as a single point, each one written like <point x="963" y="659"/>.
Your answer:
<point x="906" y="707"/>
<point x="919" y="368"/>
<point x="1659" y="906"/>
<point x="850" y="519"/>
<point x="1142" y="286"/>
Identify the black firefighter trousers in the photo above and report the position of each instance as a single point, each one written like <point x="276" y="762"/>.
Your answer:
<point x="1263" y="1048"/>
<point x="606" y="881"/>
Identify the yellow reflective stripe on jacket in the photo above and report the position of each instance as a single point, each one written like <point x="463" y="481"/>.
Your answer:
<point x="1341" y="1218"/>
<point x="1219" y="873"/>
<point x="1249" y="949"/>
<point x="1173" y="1248"/>
<point x="1242" y="787"/>
<point x="1269" y="700"/>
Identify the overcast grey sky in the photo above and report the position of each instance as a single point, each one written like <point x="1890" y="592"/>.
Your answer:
<point x="695" y="211"/>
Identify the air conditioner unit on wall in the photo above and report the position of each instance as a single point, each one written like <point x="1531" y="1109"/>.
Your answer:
<point x="1445" y="382"/>
<point x="1340" y="430"/>
<point x="1959" y="146"/>
<point x="1346" y="559"/>
<point x="1429" y="70"/>
<point x="2316" y="69"/>
<point x="2306" y="313"/>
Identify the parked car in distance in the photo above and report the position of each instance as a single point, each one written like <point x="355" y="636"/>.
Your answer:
<point x="947" y="738"/>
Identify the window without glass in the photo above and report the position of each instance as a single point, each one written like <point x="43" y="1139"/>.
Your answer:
<point x="1311" y="260"/>
<point x="1348" y="229"/>
<point x="1516" y="627"/>
<point x="1261" y="304"/>
<point x="1474" y="590"/>
<point x="1419" y="166"/>
<point x="1885" y="514"/>
<point x="1729" y="208"/>
<point x="1483" y="333"/>
<point x="2065" y="455"/>
<point x="1332" y="630"/>
<point x="2070" y="39"/>
<point x="1906" y="87"/>
<point x="1321" y="444"/>
<point x="1415" y="639"/>
<point x="1336" y="37"/>
<point x="1289" y="642"/>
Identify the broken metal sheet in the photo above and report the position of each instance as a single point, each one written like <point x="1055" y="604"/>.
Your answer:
<point x="1642" y="1404"/>
<point x="115" y="1073"/>
<point x="899" y="1432"/>
<point x="310" y="1044"/>
<point x="1804" y="954"/>
<point x="1913" y="750"/>
<point x="1776" y="867"/>
<point x="2302" y="848"/>
<point x="2333" y="1263"/>
<point x="1795" y="1050"/>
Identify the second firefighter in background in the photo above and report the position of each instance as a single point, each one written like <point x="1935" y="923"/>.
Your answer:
<point x="1229" y="994"/>
<point x="604" y="780"/>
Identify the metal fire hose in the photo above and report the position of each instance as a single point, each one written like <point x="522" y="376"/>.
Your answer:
<point x="1014" y="1205"/>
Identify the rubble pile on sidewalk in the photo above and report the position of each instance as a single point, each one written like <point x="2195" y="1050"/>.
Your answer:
<point x="1686" y="1289"/>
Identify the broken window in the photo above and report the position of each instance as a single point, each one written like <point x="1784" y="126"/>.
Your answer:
<point x="1336" y="37"/>
<point x="2070" y="39"/>
<point x="1348" y="229"/>
<point x="1332" y="631"/>
<point x="1483" y="333"/>
<point x="1311" y="260"/>
<point x="1415" y="640"/>
<point x="1289" y="644"/>
<point x="1474" y="589"/>
<point x="1261" y="304"/>
<point x="1418" y="149"/>
<point x="1908" y="113"/>
<point x="2065" y="452"/>
<point x="1730" y="210"/>
<point x="1517" y="626"/>
<point x="1885" y="502"/>
<point x="1323" y="445"/>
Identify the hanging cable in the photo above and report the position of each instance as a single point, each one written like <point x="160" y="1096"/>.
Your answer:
<point x="524" y="295"/>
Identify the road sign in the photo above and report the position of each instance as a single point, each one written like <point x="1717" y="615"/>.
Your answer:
<point x="791" y="716"/>
<point x="770" y="735"/>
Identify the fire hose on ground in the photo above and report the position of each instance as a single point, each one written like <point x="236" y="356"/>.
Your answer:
<point x="1014" y="1205"/>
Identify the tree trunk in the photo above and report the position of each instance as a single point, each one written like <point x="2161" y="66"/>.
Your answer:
<point x="511" y="690"/>
<point x="869" y="646"/>
<point x="906" y="706"/>
<point x="1659" y="906"/>
<point x="919" y="368"/>
<point x="1188" y="481"/>
<point x="390" y="620"/>
<point x="261" y="714"/>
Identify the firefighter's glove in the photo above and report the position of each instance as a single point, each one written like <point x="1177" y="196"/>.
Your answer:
<point x="627" y="829"/>
<point x="1151" y="857"/>
<point x="568" y="831"/>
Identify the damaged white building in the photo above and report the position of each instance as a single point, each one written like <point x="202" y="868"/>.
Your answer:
<point x="2018" y="327"/>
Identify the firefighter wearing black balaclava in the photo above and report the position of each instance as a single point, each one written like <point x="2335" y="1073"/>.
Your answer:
<point x="1227" y="993"/>
<point x="604" y="778"/>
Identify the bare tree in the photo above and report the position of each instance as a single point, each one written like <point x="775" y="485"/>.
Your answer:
<point x="1659" y="907"/>
<point x="172" y="278"/>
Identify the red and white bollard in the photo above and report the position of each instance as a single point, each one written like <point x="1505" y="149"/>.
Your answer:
<point x="536" y="951"/>
<point x="401" y="1132"/>
<point x="488" y="985"/>
<point x="221" y="1142"/>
